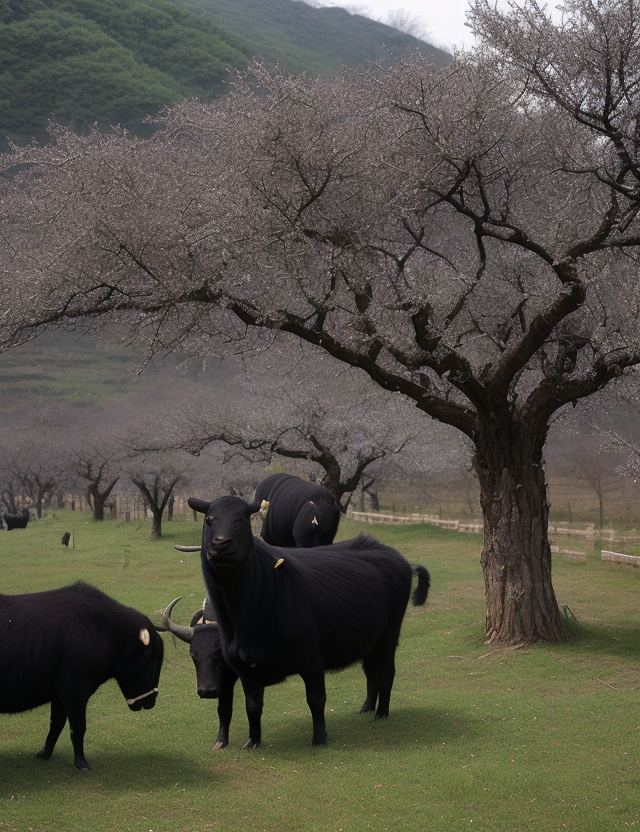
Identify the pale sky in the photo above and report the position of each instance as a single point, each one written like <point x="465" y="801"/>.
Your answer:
<point x="442" y="20"/>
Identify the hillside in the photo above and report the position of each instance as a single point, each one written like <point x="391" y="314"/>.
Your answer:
<point x="303" y="38"/>
<point x="83" y="61"/>
<point x="67" y="369"/>
<point x="77" y="62"/>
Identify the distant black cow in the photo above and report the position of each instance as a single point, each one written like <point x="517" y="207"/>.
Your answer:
<point x="214" y="678"/>
<point x="300" y="513"/>
<point x="299" y="611"/>
<point x="17" y="521"/>
<point x="60" y="646"/>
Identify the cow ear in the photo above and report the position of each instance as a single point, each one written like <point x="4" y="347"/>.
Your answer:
<point x="144" y="636"/>
<point x="198" y="505"/>
<point x="254" y="508"/>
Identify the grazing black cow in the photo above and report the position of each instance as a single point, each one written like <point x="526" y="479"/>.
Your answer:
<point x="17" y="521"/>
<point x="214" y="678"/>
<point x="300" y="611"/>
<point x="300" y="513"/>
<point x="59" y="646"/>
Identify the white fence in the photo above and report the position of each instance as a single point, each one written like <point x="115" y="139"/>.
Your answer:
<point x="430" y="519"/>
<point x="620" y="558"/>
<point x="588" y="535"/>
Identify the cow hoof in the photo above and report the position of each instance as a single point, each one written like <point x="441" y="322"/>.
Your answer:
<point x="81" y="765"/>
<point x="44" y="754"/>
<point x="250" y="745"/>
<point x="219" y="745"/>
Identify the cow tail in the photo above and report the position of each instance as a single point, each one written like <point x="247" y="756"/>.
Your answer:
<point x="422" y="589"/>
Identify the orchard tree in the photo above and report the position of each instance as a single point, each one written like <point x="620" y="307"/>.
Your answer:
<point x="328" y="415"/>
<point x="616" y="422"/>
<point x="97" y="456"/>
<point x="467" y="236"/>
<point x="34" y="458"/>
<point x="156" y="476"/>
<point x="154" y="471"/>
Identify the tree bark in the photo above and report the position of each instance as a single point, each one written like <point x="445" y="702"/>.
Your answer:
<point x="156" y="522"/>
<point x="521" y="606"/>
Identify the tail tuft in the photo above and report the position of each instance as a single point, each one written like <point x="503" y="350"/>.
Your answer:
<point x="422" y="589"/>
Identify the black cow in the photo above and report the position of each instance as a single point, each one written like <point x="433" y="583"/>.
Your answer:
<point x="300" y="513"/>
<point x="214" y="678"/>
<point x="300" y="611"/>
<point x="59" y="646"/>
<point x="17" y="521"/>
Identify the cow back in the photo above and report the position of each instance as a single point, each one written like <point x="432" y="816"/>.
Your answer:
<point x="300" y="514"/>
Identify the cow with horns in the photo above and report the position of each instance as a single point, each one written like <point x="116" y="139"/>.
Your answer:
<point x="298" y="513"/>
<point x="59" y="646"/>
<point x="17" y="521"/>
<point x="297" y="611"/>
<point x="215" y="679"/>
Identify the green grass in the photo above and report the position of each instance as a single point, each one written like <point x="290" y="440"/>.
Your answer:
<point x="542" y="738"/>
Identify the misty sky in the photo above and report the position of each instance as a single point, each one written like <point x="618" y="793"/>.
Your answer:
<point x="442" y="20"/>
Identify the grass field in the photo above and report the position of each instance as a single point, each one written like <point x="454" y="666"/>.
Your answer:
<point x="542" y="738"/>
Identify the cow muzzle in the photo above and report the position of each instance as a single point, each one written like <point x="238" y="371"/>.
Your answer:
<point x="220" y="547"/>
<point x="208" y="693"/>
<point x="145" y="700"/>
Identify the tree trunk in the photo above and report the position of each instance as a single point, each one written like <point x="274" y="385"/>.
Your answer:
<point x="98" y="507"/>
<point x="156" y="523"/>
<point x="521" y="606"/>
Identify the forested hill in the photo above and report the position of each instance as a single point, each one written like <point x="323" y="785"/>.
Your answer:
<point x="303" y="38"/>
<point x="80" y="61"/>
<point x="116" y="61"/>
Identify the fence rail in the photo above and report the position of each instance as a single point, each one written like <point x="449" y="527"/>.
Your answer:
<point x="620" y="558"/>
<point x="588" y="535"/>
<point x="429" y="519"/>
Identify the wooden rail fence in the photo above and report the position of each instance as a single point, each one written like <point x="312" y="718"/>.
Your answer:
<point x="588" y="535"/>
<point x="620" y="558"/>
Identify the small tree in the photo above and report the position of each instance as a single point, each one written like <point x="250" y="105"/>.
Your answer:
<point x="156" y="478"/>
<point x="323" y="413"/>
<point x="97" y="456"/>
<point x="33" y="458"/>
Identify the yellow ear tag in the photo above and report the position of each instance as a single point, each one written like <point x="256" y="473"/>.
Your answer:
<point x="279" y="562"/>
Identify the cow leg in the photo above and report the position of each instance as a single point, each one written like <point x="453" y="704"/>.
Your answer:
<point x="316" y="700"/>
<point x="76" y="707"/>
<point x="384" y="669"/>
<point x="254" y="699"/>
<point x="225" y="709"/>
<point x="56" y="724"/>
<point x="386" y="676"/>
<point x="369" y="704"/>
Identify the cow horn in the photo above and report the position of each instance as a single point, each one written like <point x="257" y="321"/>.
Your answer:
<point x="179" y="630"/>
<point x="188" y="548"/>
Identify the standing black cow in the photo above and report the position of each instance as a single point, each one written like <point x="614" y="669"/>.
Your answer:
<point x="300" y="513"/>
<point x="214" y="678"/>
<point x="297" y="611"/>
<point x="60" y="646"/>
<point x="17" y="521"/>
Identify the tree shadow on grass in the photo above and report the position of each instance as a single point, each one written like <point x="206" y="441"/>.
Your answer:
<point x="621" y="639"/>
